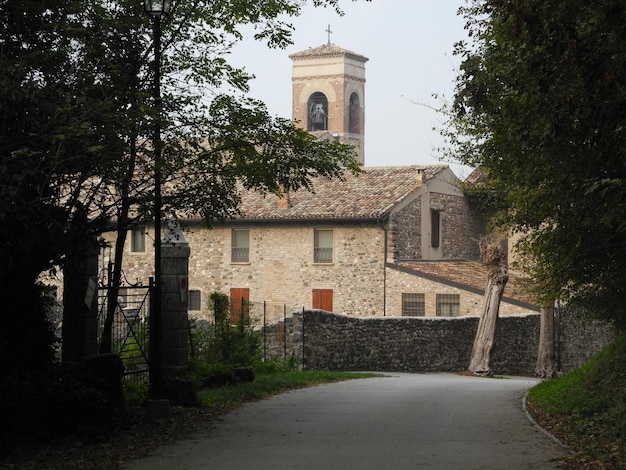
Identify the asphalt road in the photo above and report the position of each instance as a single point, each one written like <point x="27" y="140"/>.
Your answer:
<point x="402" y="421"/>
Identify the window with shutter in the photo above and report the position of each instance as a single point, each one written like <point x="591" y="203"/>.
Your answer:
<point x="323" y="299"/>
<point x="239" y="304"/>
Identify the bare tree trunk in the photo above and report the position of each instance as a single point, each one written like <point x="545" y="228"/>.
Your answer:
<point x="545" y="367"/>
<point x="484" y="342"/>
<point x="106" y="340"/>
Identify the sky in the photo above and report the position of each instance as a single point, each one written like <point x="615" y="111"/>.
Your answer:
<point x="409" y="44"/>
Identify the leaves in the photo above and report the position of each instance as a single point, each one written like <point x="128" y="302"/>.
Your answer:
<point x="539" y="107"/>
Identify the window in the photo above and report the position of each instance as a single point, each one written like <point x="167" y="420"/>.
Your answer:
<point x="138" y="239"/>
<point x="323" y="246"/>
<point x="240" y="250"/>
<point x="195" y="300"/>
<point x="318" y="112"/>
<point x="413" y="305"/>
<point x="448" y="305"/>
<point x="435" y="227"/>
<point x="354" y="114"/>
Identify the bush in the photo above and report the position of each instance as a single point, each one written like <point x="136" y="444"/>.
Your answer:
<point x="217" y="375"/>
<point x="221" y="342"/>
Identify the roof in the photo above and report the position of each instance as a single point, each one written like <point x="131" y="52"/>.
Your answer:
<point x="468" y="275"/>
<point x="478" y="177"/>
<point x="372" y="195"/>
<point x="327" y="50"/>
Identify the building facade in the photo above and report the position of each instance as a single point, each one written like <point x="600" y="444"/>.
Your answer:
<point x="393" y="241"/>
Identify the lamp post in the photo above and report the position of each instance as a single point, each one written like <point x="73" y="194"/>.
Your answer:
<point x="156" y="9"/>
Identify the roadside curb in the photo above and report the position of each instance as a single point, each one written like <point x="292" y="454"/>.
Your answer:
<point x="536" y="425"/>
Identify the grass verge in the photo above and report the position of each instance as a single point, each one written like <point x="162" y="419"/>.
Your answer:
<point x="268" y="384"/>
<point x="586" y="409"/>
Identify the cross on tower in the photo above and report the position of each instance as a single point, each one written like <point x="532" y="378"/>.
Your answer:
<point x="329" y="32"/>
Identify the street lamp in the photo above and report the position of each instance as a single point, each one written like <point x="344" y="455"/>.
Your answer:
<point x="156" y="8"/>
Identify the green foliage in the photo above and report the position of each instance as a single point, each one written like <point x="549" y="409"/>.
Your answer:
<point x="203" y="375"/>
<point x="133" y="347"/>
<point x="588" y="405"/>
<point x="268" y="384"/>
<point x="77" y="118"/>
<point x="136" y="395"/>
<point x="540" y="108"/>
<point x="277" y="365"/>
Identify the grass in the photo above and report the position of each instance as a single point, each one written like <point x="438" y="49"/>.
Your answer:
<point x="272" y="383"/>
<point x="587" y="408"/>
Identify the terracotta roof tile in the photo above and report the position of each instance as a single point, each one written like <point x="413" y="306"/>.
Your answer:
<point x="370" y="195"/>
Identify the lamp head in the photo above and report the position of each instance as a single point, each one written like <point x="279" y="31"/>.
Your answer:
<point x="157" y="7"/>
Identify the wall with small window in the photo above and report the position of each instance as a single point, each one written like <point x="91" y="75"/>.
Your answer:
<point x="405" y="290"/>
<point x="438" y="224"/>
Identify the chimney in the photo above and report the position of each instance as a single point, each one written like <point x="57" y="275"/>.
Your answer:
<point x="283" y="198"/>
<point x="420" y="177"/>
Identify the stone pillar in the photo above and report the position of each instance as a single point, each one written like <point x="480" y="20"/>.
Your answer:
<point x="174" y="292"/>
<point x="80" y="303"/>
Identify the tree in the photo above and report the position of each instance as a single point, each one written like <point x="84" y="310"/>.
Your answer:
<point x="76" y="116"/>
<point x="546" y="361"/>
<point x="497" y="276"/>
<point x="540" y="107"/>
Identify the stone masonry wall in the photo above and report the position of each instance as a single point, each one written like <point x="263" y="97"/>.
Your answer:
<point x="460" y="227"/>
<point x="338" y="342"/>
<point x="281" y="268"/>
<point x="470" y="303"/>
<point x="406" y="231"/>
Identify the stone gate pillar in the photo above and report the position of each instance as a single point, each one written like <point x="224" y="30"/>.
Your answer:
<point x="174" y="292"/>
<point x="80" y="303"/>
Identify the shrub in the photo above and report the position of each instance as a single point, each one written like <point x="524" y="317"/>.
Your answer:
<point x="221" y="342"/>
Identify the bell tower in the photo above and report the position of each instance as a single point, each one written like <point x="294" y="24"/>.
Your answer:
<point x="329" y="94"/>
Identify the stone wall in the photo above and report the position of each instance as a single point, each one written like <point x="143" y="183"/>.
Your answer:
<point x="281" y="269"/>
<point x="470" y="303"/>
<point x="338" y="342"/>
<point x="460" y="227"/>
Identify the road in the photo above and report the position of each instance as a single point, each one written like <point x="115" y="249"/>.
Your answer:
<point x="401" y="421"/>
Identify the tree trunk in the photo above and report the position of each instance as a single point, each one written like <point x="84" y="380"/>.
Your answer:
<point x="115" y="280"/>
<point x="545" y="367"/>
<point x="485" y="340"/>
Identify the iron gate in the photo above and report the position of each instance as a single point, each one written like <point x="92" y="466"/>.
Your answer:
<point x="130" y="330"/>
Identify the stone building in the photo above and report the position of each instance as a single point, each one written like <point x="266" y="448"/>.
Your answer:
<point x="393" y="241"/>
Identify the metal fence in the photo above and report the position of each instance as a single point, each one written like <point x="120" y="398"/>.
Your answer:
<point x="282" y="331"/>
<point x="130" y="330"/>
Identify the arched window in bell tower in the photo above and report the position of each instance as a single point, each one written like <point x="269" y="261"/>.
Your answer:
<point x="318" y="112"/>
<point x="354" y="114"/>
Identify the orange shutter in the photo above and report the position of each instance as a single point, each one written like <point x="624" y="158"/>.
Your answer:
<point x="239" y="298"/>
<point x="323" y="299"/>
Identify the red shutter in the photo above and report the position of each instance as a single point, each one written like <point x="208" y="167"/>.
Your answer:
<point x="323" y="299"/>
<point x="239" y="297"/>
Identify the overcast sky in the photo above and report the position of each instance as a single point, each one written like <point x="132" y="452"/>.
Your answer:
<point x="409" y="44"/>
